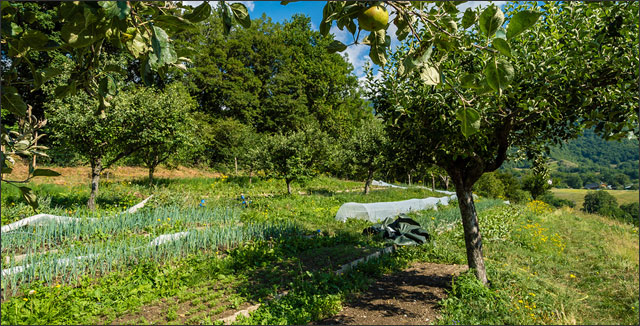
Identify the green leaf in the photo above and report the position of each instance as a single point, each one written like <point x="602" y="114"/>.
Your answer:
<point x="35" y="39"/>
<point x="163" y="52"/>
<point x="173" y="23"/>
<point x="469" y="121"/>
<point x="324" y="28"/>
<point x="48" y="73"/>
<point x="499" y="73"/>
<point x="451" y="24"/>
<point x="501" y="33"/>
<point x="107" y="86"/>
<point x="29" y="196"/>
<point x="64" y="90"/>
<point x="45" y="173"/>
<point x="14" y="29"/>
<point x="336" y="46"/>
<point x="137" y="46"/>
<point x="13" y="102"/>
<point x="402" y="27"/>
<point x="74" y="31"/>
<point x="199" y="13"/>
<point x="417" y="59"/>
<point x="377" y="57"/>
<point x="502" y="46"/>
<point x="469" y="18"/>
<point x="351" y="26"/>
<point x="379" y="41"/>
<point x="118" y="9"/>
<point x="241" y="14"/>
<point x="521" y="21"/>
<point x="430" y="75"/>
<point x="284" y="3"/>
<point x="5" y="4"/>
<point x="490" y="20"/>
<point x="469" y="81"/>
<point x="22" y="145"/>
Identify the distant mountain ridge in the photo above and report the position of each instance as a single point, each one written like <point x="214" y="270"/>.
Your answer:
<point x="590" y="159"/>
<point x="592" y="149"/>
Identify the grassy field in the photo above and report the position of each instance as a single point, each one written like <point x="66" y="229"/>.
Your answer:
<point x="551" y="267"/>
<point x="577" y="195"/>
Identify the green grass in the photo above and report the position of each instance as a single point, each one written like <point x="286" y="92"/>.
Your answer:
<point x="530" y="257"/>
<point x="552" y="268"/>
<point x="577" y="195"/>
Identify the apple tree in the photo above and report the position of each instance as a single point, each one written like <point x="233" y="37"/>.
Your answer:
<point x="526" y="86"/>
<point x="294" y="156"/>
<point x="82" y="31"/>
<point x="365" y="149"/>
<point x="164" y="122"/>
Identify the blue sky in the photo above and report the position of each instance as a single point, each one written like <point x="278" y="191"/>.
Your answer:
<point x="357" y="54"/>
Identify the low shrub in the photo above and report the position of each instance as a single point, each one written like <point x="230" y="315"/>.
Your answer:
<point x="489" y="186"/>
<point x="519" y="196"/>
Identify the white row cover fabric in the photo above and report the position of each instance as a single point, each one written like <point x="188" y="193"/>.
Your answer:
<point x="384" y="184"/>
<point x="59" y="219"/>
<point x="376" y="212"/>
<point x="65" y="261"/>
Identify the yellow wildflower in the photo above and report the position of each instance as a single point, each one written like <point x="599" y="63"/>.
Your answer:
<point x="572" y="276"/>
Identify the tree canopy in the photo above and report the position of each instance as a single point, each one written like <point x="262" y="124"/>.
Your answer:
<point x="553" y="93"/>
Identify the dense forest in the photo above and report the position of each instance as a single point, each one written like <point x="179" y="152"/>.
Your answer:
<point x="271" y="87"/>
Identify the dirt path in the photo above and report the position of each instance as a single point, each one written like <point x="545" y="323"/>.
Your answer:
<point x="408" y="297"/>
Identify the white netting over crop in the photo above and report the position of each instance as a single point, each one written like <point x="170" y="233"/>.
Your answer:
<point x="376" y="212"/>
<point x="384" y="184"/>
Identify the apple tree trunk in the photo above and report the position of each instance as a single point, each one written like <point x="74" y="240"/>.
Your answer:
<point x="472" y="237"/>
<point x="96" y="169"/>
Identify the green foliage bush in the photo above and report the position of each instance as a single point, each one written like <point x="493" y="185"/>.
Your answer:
<point x="632" y="210"/>
<point x="519" y="196"/>
<point x="597" y="201"/>
<point x="536" y="184"/>
<point x="489" y="186"/>
<point x="603" y="203"/>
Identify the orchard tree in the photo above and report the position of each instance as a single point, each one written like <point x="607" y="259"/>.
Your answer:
<point x="294" y="156"/>
<point x="365" y="149"/>
<point x="538" y="181"/>
<point x="82" y="31"/>
<point x="528" y="90"/>
<point x="100" y="141"/>
<point x="164" y="122"/>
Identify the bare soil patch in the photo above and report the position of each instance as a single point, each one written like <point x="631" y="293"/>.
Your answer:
<point x="80" y="174"/>
<point x="408" y="297"/>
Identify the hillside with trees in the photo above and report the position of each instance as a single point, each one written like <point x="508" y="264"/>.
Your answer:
<point x="590" y="159"/>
